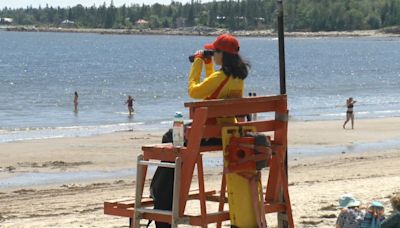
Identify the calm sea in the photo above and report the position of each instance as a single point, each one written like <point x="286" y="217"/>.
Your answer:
<point x="39" y="73"/>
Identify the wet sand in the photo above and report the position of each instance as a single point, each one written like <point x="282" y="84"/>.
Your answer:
<point x="316" y="181"/>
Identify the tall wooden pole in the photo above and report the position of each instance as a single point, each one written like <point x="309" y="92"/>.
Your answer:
<point x="281" y="39"/>
<point x="282" y="218"/>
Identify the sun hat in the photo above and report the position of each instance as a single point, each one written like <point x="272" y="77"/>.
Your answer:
<point x="376" y="204"/>
<point x="226" y="43"/>
<point x="348" y="200"/>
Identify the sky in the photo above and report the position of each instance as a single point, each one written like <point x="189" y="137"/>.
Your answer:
<point x="65" y="3"/>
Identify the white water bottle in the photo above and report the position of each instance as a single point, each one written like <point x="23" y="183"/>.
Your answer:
<point x="177" y="130"/>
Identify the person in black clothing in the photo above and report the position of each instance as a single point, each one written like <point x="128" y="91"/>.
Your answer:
<point x="130" y="105"/>
<point x="394" y="220"/>
<point x="350" y="113"/>
<point x="76" y="101"/>
<point x="249" y="116"/>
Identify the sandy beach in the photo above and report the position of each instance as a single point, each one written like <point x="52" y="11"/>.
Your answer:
<point x="364" y="161"/>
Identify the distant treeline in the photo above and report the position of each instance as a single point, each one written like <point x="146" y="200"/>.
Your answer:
<point x="300" y="15"/>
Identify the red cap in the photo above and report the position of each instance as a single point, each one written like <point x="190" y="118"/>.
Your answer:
<point x="226" y="43"/>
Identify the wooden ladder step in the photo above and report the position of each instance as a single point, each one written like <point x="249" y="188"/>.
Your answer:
<point x="159" y="164"/>
<point x="154" y="211"/>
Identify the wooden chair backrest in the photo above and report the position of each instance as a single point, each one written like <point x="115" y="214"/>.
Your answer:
<point x="242" y="107"/>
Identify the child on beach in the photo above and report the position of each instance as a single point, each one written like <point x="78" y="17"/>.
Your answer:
<point x="350" y="215"/>
<point x="130" y="105"/>
<point x="374" y="216"/>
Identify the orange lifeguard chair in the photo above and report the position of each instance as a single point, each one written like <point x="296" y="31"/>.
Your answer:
<point x="276" y="195"/>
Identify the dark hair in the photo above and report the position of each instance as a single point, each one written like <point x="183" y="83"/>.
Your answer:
<point x="233" y="65"/>
<point x="250" y="94"/>
<point x="254" y="94"/>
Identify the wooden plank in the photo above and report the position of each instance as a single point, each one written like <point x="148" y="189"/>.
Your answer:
<point x="190" y="158"/>
<point x="239" y="107"/>
<point x="214" y="131"/>
<point x="210" y="148"/>
<point x="221" y="102"/>
<point x="126" y="207"/>
<point x="165" y="148"/>
<point x="158" y="164"/>
<point x="157" y="217"/>
<point x="119" y="200"/>
<point x="244" y="109"/>
<point x="211" y="218"/>
<point x="275" y="207"/>
<point x="124" y="212"/>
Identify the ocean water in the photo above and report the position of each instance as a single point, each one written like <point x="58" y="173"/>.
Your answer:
<point x="39" y="73"/>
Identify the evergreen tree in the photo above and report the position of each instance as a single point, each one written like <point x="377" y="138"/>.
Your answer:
<point x="300" y="15"/>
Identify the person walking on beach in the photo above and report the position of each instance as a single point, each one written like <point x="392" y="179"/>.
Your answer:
<point x="349" y="114"/>
<point x="76" y="102"/>
<point x="130" y="105"/>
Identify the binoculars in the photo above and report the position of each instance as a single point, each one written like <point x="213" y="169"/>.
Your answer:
<point x="206" y="54"/>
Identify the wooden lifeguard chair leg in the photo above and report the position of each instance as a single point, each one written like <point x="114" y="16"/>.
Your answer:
<point x="272" y="191"/>
<point x="286" y="217"/>
<point x="189" y="158"/>
<point x="176" y="194"/>
<point x="278" y="190"/>
<point x="222" y="197"/>
<point x="258" y="199"/>
<point x="139" y="190"/>
<point x="202" y="195"/>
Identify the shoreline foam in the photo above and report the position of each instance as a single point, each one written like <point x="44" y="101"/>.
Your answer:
<point x="39" y="133"/>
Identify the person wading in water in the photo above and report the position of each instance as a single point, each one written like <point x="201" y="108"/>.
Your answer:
<point x="130" y="105"/>
<point x="350" y="113"/>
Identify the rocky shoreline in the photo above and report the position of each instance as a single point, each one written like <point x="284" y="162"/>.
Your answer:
<point x="206" y="31"/>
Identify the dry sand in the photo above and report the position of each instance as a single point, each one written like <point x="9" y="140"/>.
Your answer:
<point x="316" y="182"/>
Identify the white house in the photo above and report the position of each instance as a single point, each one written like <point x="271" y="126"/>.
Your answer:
<point x="142" y="22"/>
<point x="67" y="22"/>
<point x="6" y="20"/>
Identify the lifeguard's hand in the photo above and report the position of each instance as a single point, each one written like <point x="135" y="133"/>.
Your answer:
<point x="199" y="54"/>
